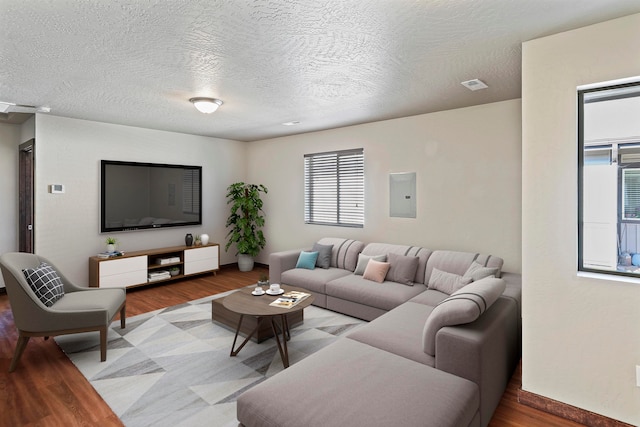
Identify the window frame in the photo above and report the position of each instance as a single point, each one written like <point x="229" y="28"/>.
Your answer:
<point x="347" y="188"/>
<point x="611" y="88"/>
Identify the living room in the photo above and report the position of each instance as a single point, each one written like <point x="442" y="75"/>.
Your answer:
<point x="498" y="178"/>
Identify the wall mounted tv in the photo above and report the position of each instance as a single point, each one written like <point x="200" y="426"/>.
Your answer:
<point x="137" y="196"/>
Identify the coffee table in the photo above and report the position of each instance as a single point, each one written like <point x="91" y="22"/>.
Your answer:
<point x="244" y="303"/>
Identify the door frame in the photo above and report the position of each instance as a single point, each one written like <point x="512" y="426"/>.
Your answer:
<point x="26" y="196"/>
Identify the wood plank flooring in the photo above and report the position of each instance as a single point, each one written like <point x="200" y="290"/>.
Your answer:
<point x="47" y="390"/>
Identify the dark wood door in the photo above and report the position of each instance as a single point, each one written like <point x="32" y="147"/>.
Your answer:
<point x="26" y="230"/>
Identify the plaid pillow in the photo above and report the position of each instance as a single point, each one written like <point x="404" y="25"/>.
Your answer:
<point x="45" y="283"/>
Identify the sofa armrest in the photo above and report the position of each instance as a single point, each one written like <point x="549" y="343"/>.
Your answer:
<point x="280" y="262"/>
<point x="486" y="352"/>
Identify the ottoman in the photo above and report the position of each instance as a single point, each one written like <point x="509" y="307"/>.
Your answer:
<point x="349" y="383"/>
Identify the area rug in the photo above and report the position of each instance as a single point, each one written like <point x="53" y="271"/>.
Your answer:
<point x="171" y="367"/>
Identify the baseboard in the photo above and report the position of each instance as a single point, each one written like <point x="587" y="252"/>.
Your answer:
<point x="567" y="411"/>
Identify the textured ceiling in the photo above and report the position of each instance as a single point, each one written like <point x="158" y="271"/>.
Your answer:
<point x="324" y="63"/>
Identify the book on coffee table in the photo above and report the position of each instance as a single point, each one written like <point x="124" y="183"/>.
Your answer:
<point x="289" y="299"/>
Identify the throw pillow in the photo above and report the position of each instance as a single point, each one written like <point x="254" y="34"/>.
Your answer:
<point x="402" y="268"/>
<point x="447" y="282"/>
<point x="363" y="260"/>
<point x="307" y="260"/>
<point x="376" y="271"/>
<point x="45" y="283"/>
<point x="477" y="271"/>
<point x="463" y="306"/>
<point x="324" y="255"/>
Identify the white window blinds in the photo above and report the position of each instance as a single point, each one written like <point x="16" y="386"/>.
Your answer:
<point x="631" y="194"/>
<point x="334" y="188"/>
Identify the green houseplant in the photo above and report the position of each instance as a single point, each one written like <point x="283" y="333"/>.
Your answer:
<point x="111" y="244"/>
<point x="246" y="220"/>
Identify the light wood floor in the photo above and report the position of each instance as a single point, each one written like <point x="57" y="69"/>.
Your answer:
<point x="47" y="390"/>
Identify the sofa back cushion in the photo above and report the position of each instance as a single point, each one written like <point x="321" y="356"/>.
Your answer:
<point x="423" y="255"/>
<point x="459" y="262"/>
<point x="463" y="306"/>
<point x="344" y="253"/>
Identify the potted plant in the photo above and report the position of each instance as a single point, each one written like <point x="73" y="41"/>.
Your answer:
<point x="198" y="240"/>
<point x="111" y="244"/>
<point x="246" y="220"/>
<point x="263" y="280"/>
<point x="174" y="271"/>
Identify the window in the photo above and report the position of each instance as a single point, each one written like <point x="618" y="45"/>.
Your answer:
<point x="334" y="188"/>
<point x="609" y="179"/>
<point x="631" y="194"/>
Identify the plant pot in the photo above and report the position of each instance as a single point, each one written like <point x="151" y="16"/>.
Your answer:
<point x="245" y="262"/>
<point x="111" y="248"/>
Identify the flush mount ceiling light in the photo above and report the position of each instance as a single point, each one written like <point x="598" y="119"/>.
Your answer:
<point x="206" y="105"/>
<point x="475" y="84"/>
<point x="293" y="123"/>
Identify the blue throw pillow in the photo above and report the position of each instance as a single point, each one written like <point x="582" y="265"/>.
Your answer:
<point x="307" y="260"/>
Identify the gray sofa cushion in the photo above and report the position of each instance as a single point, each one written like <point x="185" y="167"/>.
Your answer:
<point x="313" y="280"/>
<point x="344" y="253"/>
<point x="385" y="248"/>
<point x="398" y="331"/>
<point x="363" y="260"/>
<point x="459" y="262"/>
<point x="324" y="255"/>
<point x="402" y="268"/>
<point x="463" y="306"/>
<point x="353" y="384"/>
<point x="477" y="271"/>
<point x="386" y="295"/>
<point x="447" y="283"/>
<point x="430" y="297"/>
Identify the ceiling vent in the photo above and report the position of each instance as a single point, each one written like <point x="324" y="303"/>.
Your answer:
<point x="10" y="107"/>
<point x="475" y="84"/>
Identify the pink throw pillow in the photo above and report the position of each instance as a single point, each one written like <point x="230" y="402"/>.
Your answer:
<point x="376" y="271"/>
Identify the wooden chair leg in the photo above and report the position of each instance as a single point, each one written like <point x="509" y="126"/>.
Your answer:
<point x="20" y="346"/>
<point x="123" y="315"/>
<point x="103" y="343"/>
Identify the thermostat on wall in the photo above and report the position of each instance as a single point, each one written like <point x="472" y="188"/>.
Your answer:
<point x="56" y="188"/>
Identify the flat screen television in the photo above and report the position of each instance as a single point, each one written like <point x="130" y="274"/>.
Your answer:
<point x="137" y="196"/>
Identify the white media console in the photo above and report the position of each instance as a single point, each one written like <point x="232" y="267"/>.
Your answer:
<point x="136" y="268"/>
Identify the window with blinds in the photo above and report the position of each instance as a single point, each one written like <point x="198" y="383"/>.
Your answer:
<point x="631" y="194"/>
<point x="191" y="191"/>
<point x="334" y="188"/>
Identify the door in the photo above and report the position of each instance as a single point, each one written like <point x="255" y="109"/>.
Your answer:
<point x="26" y="168"/>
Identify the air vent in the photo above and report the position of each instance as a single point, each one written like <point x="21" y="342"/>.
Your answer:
<point x="475" y="84"/>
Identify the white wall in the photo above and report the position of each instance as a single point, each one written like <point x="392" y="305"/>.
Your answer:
<point x="581" y="336"/>
<point x="468" y="181"/>
<point x="68" y="151"/>
<point x="9" y="141"/>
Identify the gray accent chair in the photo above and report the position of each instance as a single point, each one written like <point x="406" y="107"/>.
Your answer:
<point x="79" y="310"/>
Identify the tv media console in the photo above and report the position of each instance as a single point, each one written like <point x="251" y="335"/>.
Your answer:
<point x="137" y="268"/>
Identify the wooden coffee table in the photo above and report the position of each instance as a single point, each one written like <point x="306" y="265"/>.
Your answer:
<point x="245" y="304"/>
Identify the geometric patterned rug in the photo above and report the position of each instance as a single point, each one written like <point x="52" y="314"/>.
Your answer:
<point x="171" y="367"/>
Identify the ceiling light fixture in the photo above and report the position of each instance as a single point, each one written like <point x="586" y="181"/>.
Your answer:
<point x="206" y="105"/>
<point x="293" y="123"/>
<point x="474" y="84"/>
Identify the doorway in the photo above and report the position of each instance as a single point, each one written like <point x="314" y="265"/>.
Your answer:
<point x="26" y="205"/>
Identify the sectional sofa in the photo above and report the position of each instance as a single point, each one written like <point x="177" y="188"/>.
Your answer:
<point x="443" y="339"/>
